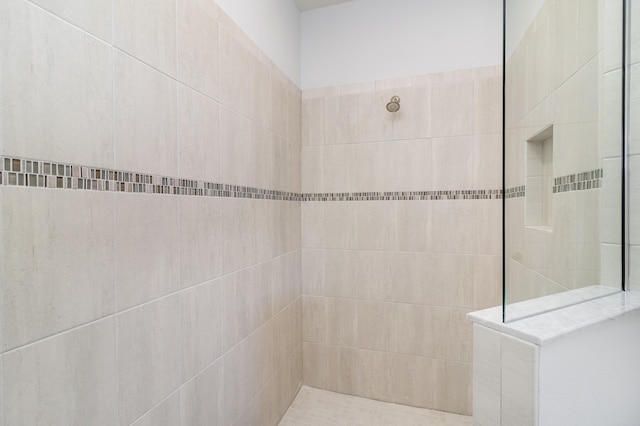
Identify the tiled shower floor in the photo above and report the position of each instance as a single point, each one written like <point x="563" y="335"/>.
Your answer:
<point x="315" y="407"/>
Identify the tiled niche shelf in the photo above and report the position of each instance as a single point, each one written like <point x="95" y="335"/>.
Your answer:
<point x="539" y="181"/>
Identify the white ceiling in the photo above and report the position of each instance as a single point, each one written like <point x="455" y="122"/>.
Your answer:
<point x="314" y="4"/>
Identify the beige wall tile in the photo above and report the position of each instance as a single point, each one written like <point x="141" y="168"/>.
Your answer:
<point x="259" y="81"/>
<point x="413" y="381"/>
<point x="340" y="119"/>
<point x="340" y="173"/>
<point x="61" y="237"/>
<point x="413" y="120"/>
<point x="315" y="365"/>
<point x="413" y="225"/>
<point x="563" y="41"/>
<point x="312" y="168"/>
<point x="70" y="379"/>
<point x="312" y="224"/>
<point x="452" y="109"/>
<point x="487" y="106"/>
<point x="145" y="127"/>
<point x="452" y="229"/>
<point x="341" y="273"/>
<point x="198" y="136"/>
<point x="374" y="276"/>
<point x="452" y="283"/>
<point x="376" y="326"/>
<point x="375" y="370"/>
<point x="313" y="121"/>
<point x="238" y="234"/>
<point x="453" y="386"/>
<point x="452" y="163"/>
<point x="376" y="225"/>
<point x="412" y="277"/>
<point x="148" y="354"/>
<point x="247" y="367"/>
<point x="487" y="222"/>
<point x="46" y="79"/>
<point x="374" y="167"/>
<point x="588" y="40"/>
<point x="147" y="31"/>
<point x="313" y="277"/>
<point x="283" y="280"/>
<point x="201" y="398"/>
<point x="341" y="225"/>
<point x="94" y="17"/>
<point x="198" y="47"/>
<point x="453" y="334"/>
<point x="201" y="317"/>
<point x="538" y="64"/>
<point x="487" y="161"/>
<point x="286" y="339"/>
<point x="409" y="164"/>
<point x="234" y="73"/>
<point x="314" y="313"/>
<point x="166" y="413"/>
<point x="374" y="122"/>
<point x="248" y="303"/>
<point x="487" y="281"/>
<point x="342" y="370"/>
<point x="146" y="265"/>
<point x="415" y="330"/>
<point x="294" y="115"/>
<point x="237" y="159"/>
<point x="342" y="322"/>
<point x="200" y="240"/>
<point x="279" y="97"/>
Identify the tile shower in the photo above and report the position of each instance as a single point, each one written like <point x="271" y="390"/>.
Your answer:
<point x="187" y="237"/>
<point x="403" y="237"/>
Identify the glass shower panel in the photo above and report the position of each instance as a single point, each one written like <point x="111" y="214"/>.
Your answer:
<point x="563" y="151"/>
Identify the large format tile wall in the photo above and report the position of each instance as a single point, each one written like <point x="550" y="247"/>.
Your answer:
<point x="565" y="72"/>
<point x="132" y="302"/>
<point x="400" y="234"/>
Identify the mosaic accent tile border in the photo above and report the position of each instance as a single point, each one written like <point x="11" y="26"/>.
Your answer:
<point x="578" y="181"/>
<point x="45" y="174"/>
<point x="53" y="175"/>
<point x="477" y="194"/>
<point x="515" y="192"/>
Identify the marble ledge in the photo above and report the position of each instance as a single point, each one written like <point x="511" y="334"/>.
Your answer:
<point x="553" y="324"/>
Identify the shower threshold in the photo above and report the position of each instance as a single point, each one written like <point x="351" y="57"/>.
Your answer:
<point x="316" y="407"/>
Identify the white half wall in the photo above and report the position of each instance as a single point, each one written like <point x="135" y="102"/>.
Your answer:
<point x="366" y="40"/>
<point x="274" y="25"/>
<point x="591" y="377"/>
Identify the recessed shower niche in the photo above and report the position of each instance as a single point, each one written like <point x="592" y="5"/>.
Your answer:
<point x="539" y="181"/>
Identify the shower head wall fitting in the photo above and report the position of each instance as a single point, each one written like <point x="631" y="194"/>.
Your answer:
<point x="394" y="104"/>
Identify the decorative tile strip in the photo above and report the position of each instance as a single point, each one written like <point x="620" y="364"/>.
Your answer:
<point x="515" y="192"/>
<point x="578" y="181"/>
<point x="476" y="194"/>
<point x="45" y="174"/>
